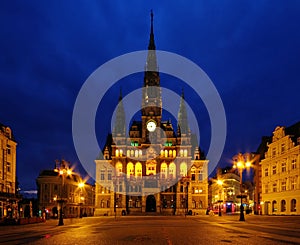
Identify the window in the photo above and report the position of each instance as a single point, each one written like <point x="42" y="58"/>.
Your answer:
<point x="193" y="204"/>
<point x="8" y="149"/>
<point x="172" y="170"/>
<point x="274" y="169"/>
<point x="183" y="169"/>
<point x="102" y="174"/>
<point x="119" y="168"/>
<point x="283" y="186"/>
<point x="200" y="175"/>
<point x="293" y="183"/>
<point x="138" y="169"/>
<point x="185" y="153"/>
<point x="283" y="206"/>
<point x="266" y="172"/>
<point x="109" y="174"/>
<point x="293" y="205"/>
<point x="266" y="188"/>
<point x="274" y="206"/>
<point x="274" y="187"/>
<point x="273" y="152"/>
<point x="282" y="148"/>
<point x="283" y="167"/>
<point x="8" y="167"/>
<point x="130" y="203"/>
<point x="294" y="163"/>
<point x="130" y="169"/>
<point x="163" y="170"/>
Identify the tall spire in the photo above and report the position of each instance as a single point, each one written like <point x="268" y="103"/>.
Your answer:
<point x="151" y="59"/>
<point x="119" y="129"/>
<point x="183" y="127"/>
<point x="151" y="45"/>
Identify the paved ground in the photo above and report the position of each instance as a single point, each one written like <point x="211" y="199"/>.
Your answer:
<point x="153" y="230"/>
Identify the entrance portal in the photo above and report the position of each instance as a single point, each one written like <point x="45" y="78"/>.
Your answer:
<point x="150" y="204"/>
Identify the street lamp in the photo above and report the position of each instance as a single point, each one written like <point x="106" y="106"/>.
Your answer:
<point x="241" y="162"/>
<point x="63" y="171"/>
<point x="220" y="183"/>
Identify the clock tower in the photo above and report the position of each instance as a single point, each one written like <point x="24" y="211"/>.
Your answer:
<point x="151" y="101"/>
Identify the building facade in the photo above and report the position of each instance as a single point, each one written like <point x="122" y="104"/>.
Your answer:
<point x="280" y="172"/>
<point x="8" y="164"/>
<point x="224" y="189"/>
<point x="62" y="186"/>
<point x="153" y="168"/>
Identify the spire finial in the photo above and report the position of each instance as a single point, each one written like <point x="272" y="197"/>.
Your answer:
<point x="151" y="41"/>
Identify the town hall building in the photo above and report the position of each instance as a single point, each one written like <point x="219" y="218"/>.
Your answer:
<point x="154" y="167"/>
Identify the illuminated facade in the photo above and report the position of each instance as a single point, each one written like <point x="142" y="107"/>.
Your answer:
<point x="280" y="171"/>
<point x="8" y="165"/>
<point x="154" y="168"/>
<point x="224" y="190"/>
<point x="52" y="187"/>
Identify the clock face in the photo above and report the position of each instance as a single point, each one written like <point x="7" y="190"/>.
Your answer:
<point x="151" y="125"/>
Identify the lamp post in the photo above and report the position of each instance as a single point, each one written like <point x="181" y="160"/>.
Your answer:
<point x="241" y="162"/>
<point x="63" y="171"/>
<point x="220" y="183"/>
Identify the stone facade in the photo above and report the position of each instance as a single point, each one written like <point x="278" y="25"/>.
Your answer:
<point x="53" y="188"/>
<point x="8" y="165"/>
<point x="280" y="172"/>
<point x="153" y="168"/>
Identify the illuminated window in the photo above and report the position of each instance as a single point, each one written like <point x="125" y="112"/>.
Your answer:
<point x="181" y="153"/>
<point x="200" y="175"/>
<point x="128" y="153"/>
<point x="136" y="154"/>
<point x="274" y="206"/>
<point x="119" y="168"/>
<point x="140" y="153"/>
<point x="172" y="170"/>
<point x="166" y="153"/>
<point x="163" y="170"/>
<point x="174" y="153"/>
<point x="138" y="169"/>
<point x="130" y="169"/>
<point x="183" y="169"/>
<point x="117" y="153"/>
<point x="185" y="153"/>
<point x="170" y="153"/>
<point x="162" y="153"/>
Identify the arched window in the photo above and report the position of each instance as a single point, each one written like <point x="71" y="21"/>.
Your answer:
<point x="117" y="153"/>
<point x="132" y="153"/>
<point x="162" y="153"/>
<point x="193" y="172"/>
<point x="163" y="170"/>
<point x="172" y="170"/>
<point x="183" y="169"/>
<point x="170" y="153"/>
<point x="185" y="153"/>
<point x="193" y="204"/>
<point x="283" y="205"/>
<point x="130" y="169"/>
<point x="181" y="153"/>
<point x="174" y="153"/>
<point x="166" y="153"/>
<point x="274" y="206"/>
<point x="128" y="153"/>
<point x="136" y="153"/>
<point x="121" y="152"/>
<point x="293" y="205"/>
<point x="140" y="153"/>
<point x="138" y="169"/>
<point x="119" y="168"/>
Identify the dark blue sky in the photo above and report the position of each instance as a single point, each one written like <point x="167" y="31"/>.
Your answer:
<point x="249" y="49"/>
